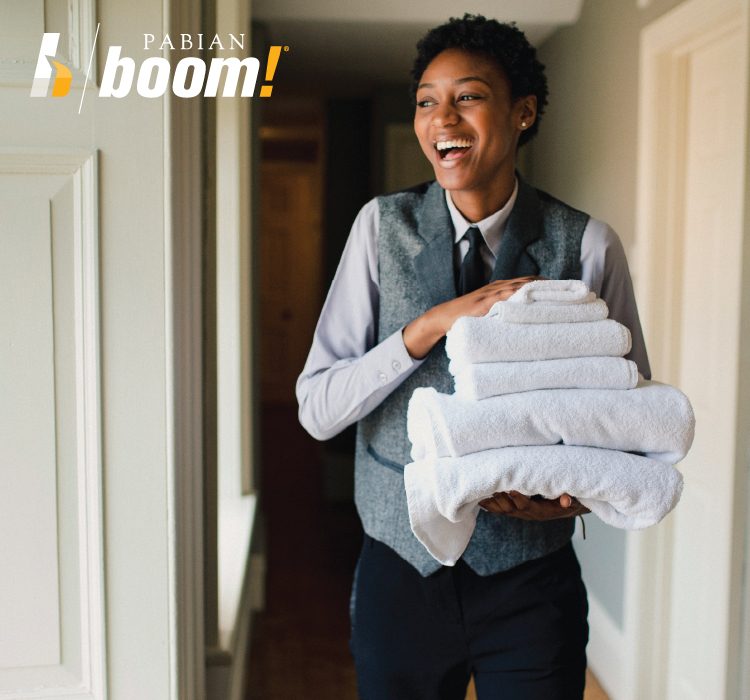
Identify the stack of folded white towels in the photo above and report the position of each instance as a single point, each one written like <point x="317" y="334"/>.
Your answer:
<point x="546" y="404"/>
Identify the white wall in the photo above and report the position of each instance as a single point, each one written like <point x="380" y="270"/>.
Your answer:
<point x="586" y="149"/>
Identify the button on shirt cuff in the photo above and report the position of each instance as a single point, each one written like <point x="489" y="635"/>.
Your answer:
<point x="390" y="360"/>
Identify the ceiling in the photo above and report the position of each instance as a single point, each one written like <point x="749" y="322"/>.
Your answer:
<point x="352" y="46"/>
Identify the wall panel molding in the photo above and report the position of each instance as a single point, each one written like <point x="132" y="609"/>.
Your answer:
<point x="51" y="205"/>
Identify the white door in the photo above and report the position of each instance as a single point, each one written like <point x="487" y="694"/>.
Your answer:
<point x="693" y="120"/>
<point x="709" y="365"/>
<point x="87" y="541"/>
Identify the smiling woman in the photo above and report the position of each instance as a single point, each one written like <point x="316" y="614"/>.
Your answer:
<point x="513" y="611"/>
<point x="468" y="125"/>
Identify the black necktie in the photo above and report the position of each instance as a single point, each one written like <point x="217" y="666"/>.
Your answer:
<point x="472" y="274"/>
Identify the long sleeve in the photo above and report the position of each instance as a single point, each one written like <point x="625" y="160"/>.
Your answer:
<point x="605" y="270"/>
<point x="347" y="373"/>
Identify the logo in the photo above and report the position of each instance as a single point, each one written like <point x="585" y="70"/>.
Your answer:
<point x="154" y="76"/>
<point x="43" y="73"/>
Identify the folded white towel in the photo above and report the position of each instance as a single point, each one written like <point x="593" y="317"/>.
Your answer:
<point x="559" y="291"/>
<point x="549" y="312"/>
<point x="489" y="339"/>
<point x="624" y="490"/>
<point x="654" y="419"/>
<point x="480" y="381"/>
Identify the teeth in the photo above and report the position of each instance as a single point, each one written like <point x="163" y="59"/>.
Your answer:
<point x="456" y="143"/>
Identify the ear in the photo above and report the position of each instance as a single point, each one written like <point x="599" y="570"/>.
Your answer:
<point x="526" y="112"/>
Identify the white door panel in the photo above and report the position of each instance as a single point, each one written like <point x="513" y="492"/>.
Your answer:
<point x="683" y="591"/>
<point x="87" y="603"/>
<point x="709" y="340"/>
<point x="29" y="613"/>
<point x="51" y="607"/>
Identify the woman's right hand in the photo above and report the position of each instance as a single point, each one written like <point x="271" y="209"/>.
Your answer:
<point x="421" y="334"/>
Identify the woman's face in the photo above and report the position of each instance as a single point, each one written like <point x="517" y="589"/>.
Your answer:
<point x="466" y="121"/>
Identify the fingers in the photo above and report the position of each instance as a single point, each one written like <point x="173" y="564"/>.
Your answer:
<point x="480" y="301"/>
<point x="506" y="503"/>
<point x="504" y="289"/>
<point x="517" y="505"/>
<point x="498" y="287"/>
<point x="512" y="284"/>
<point x="573" y="504"/>
<point x="499" y="290"/>
<point x="520" y="501"/>
<point x="499" y="503"/>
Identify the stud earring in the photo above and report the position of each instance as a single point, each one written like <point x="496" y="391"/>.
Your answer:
<point x="523" y="125"/>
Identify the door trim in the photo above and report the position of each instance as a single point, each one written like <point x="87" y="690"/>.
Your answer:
<point x="183" y="232"/>
<point x="665" y="43"/>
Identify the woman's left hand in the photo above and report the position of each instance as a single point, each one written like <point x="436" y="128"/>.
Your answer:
<point x="519" y="506"/>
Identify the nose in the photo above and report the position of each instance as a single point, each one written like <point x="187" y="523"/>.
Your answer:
<point x="445" y="114"/>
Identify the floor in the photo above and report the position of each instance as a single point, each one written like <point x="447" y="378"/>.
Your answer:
<point x="299" y="644"/>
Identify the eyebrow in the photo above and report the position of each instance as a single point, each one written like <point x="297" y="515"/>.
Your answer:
<point x="458" y="81"/>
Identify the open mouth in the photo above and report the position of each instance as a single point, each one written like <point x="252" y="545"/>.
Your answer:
<point x="453" y="149"/>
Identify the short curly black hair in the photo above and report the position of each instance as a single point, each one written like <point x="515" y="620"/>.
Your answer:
<point x="503" y="43"/>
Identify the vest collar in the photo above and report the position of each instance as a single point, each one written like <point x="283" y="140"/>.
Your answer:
<point x="435" y="227"/>
<point x="434" y="263"/>
<point x="523" y="228"/>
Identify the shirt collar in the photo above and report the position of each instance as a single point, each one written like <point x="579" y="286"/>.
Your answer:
<point x="491" y="227"/>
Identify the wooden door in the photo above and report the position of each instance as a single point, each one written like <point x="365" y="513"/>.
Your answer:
<point x="290" y="271"/>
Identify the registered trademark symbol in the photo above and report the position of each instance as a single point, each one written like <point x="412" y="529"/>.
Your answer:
<point x="286" y="48"/>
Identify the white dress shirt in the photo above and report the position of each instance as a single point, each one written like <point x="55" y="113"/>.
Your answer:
<point x="348" y="374"/>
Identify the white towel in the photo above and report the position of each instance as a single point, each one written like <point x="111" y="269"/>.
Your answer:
<point x="480" y="381"/>
<point x="556" y="291"/>
<point x="549" y="312"/>
<point x="654" y="419"/>
<point x="624" y="490"/>
<point x="489" y="339"/>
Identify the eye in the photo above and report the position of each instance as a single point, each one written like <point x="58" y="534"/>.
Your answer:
<point x="466" y="98"/>
<point x="425" y="103"/>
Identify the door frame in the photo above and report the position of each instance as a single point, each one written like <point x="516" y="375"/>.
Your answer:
<point x="661" y="163"/>
<point x="183" y="243"/>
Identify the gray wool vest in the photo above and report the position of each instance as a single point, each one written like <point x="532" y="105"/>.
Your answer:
<point x="416" y="272"/>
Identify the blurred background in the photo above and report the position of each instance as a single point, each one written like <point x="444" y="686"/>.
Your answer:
<point x="168" y="528"/>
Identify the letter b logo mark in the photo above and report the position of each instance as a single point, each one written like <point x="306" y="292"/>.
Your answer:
<point x="43" y="73"/>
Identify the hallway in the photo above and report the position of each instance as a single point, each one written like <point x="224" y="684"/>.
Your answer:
<point x="299" y="645"/>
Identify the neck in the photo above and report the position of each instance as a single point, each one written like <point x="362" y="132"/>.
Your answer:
<point x="478" y="204"/>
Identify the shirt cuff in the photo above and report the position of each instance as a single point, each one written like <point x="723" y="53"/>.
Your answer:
<point x="390" y="360"/>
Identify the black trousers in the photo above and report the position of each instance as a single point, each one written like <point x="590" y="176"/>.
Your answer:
<point x="521" y="632"/>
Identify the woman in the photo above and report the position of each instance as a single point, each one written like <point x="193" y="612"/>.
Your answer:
<point x="513" y="611"/>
